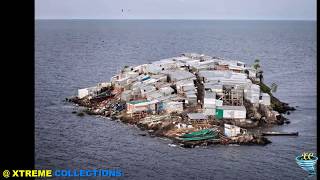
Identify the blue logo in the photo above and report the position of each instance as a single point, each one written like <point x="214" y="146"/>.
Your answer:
<point x="307" y="162"/>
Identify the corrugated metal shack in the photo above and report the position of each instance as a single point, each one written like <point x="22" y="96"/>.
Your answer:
<point x="209" y="103"/>
<point x="223" y="77"/>
<point x="191" y="98"/>
<point x="173" y="106"/>
<point x="185" y="85"/>
<point x="178" y="75"/>
<point x="153" y="95"/>
<point x="214" y="87"/>
<point x="231" y="112"/>
<point x="90" y="91"/>
<point x="153" y="69"/>
<point x="252" y="93"/>
<point x="197" y="117"/>
<point x="231" y="130"/>
<point x="265" y="99"/>
<point x="166" y="90"/>
<point x="147" y="89"/>
<point x="141" y="106"/>
<point x="126" y="95"/>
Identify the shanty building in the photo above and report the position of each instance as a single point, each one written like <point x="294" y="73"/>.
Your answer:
<point x="178" y="75"/>
<point x="182" y="59"/>
<point x="209" y="103"/>
<point x="209" y="100"/>
<point x="147" y="89"/>
<point x="187" y="88"/>
<point x="237" y="66"/>
<point x="142" y="77"/>
<point x="252" y="93"/>
<point x="204" y="65"/>
<point x="214" y="87"/>
<point x="230" y="112"/>
<point x="191" y="98"/>
<point x="223" y="77"/>
<point x="252" y="73"/>
<point x="197" y="117"/>
<point x="231" y="130"/>
<point x="153" y="95"/>
<point x="193" y="55"/>
<point x="126" y="95"/>
<point x="221" y="66"/>
<point x="166" y="90"/>
<point x="139" y="69"/>
<point x="149" y="81"/>
<point x="265" y="99"/>
<point x="88" y="91"/>
<point x="166" y="64"/>
<point x="153" y="69"/>
<point x="172" y="106"/>
<point x="184" y="85"/>
<point x="160" y="77"/>
<point x="141" y="106"/>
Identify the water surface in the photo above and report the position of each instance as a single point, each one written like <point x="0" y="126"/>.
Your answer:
<point x="81" y="53"/>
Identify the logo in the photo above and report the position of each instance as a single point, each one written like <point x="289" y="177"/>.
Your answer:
<point x="307" y="162"/>
<point x="6" y="173"/>
<point x="38" y="173"/>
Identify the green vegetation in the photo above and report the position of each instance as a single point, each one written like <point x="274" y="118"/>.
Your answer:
<point x="256" y="64"/>
<point x="274" y="87"/>
<point x="264" y="88"/>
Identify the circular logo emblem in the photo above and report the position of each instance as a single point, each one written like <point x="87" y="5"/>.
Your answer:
<point x="6" y="173"/>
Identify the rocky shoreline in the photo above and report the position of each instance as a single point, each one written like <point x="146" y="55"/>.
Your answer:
<point x="108" y="101"/>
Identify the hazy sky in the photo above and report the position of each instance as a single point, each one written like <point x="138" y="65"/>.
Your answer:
<point x="175" y="9"/>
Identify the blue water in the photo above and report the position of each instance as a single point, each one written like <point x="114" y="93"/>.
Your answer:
<point x="81" y="53"/>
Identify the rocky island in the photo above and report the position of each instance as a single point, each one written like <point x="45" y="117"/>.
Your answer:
<point x="193" y="99"/>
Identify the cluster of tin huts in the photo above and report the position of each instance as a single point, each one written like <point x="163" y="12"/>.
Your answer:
<point x="216" y="85"/>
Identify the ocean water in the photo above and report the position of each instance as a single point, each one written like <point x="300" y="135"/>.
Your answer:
<point x="72" y="54"/>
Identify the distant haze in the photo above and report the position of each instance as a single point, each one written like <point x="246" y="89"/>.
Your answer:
<point x="176" y="9"/>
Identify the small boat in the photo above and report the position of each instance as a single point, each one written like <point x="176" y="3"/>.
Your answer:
<point x="280" y="133"/>
<point x="199" y="138"/>
<point x="198" y="133"/>
<point x="205" y="134"/>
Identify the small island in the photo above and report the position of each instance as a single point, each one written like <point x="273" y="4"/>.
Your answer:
<point x="193" y="99"/>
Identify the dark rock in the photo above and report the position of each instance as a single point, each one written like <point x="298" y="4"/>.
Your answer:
<point x="80" y="114"/>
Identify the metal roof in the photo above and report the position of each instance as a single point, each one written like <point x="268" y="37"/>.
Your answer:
<point x="198" y="116"/>
<point x="241" y="108"/>
<point x="180" y="75"/>
<point x="209" y="94"/>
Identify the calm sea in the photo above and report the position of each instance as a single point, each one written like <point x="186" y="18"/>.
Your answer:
<point x="72" y="54"/>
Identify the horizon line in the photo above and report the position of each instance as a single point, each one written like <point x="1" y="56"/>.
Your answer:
<point x="173" y="19"/>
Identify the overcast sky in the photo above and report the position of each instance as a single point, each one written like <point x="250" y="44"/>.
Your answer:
<point x="175" y="9"/>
